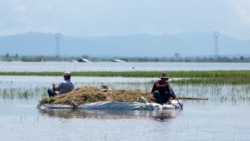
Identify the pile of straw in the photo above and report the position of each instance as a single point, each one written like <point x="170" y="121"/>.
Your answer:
<point x="91" y="94"/>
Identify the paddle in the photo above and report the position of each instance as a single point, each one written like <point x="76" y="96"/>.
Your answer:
<point x="179" y="103"/>
<point x="177" y="99"/>
<point x="74" y="105"/>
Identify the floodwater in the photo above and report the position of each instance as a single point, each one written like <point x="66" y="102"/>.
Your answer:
<point x="115" y="66"/>
<point x="224" y="117"/>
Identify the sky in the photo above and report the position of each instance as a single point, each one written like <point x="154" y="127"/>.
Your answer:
<point x="124" y="17"/>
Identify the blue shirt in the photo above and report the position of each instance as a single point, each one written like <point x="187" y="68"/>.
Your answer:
<point x="65" y="86"/>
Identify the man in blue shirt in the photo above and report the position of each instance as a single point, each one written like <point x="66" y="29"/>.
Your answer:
<point x="63" y="87"/>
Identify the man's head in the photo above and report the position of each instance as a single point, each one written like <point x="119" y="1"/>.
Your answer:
<point x="164" y="76"/>
<point x="67" y="75"/>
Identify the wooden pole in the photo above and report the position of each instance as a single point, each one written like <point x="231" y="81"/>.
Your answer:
<point x="192" y="98"/>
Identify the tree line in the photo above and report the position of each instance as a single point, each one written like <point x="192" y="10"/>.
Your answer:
<point x="16" y="57"/>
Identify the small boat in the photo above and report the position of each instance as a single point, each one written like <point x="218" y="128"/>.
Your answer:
<point x="112" y="105"/>
<point x="163" y="115"/>
<point x="93" y="98"/>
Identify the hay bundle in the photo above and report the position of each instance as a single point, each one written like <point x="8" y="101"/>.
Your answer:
<point x="91" y="94"/>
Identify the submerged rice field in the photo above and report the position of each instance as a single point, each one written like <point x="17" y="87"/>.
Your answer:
<point x="216" y="85"/>
<point x="214" y="92"/>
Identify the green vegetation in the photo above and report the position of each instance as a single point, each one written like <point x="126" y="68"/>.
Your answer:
<point x="211" y="77"/>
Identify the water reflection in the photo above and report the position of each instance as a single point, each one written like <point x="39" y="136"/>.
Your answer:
<point x="110" y="114"/>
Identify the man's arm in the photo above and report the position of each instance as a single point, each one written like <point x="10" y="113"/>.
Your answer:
<point x="171" y="90"/>
<point x="56" y="87"/>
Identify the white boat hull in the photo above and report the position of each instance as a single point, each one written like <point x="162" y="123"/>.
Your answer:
<point x="116" y="106"/>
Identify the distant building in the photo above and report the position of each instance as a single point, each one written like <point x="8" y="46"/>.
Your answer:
<point x="117" y="60"/>
<point x="83" y="60"/>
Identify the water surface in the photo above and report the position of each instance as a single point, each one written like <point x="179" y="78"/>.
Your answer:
<point x="224" y="117"/>
<point x="114" y="66"/>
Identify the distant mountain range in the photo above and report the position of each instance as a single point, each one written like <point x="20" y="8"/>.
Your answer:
<point x="138" y="45"/>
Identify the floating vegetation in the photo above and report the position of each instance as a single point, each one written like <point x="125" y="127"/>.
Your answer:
<point x="91" y="94"/>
